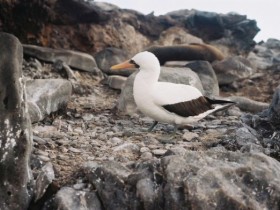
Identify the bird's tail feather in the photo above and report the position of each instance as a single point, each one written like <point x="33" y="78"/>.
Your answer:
<point x="219" y="101"/>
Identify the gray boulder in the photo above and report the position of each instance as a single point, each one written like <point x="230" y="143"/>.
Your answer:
<point x="74" y="59"/>
<point x="126" y="103"/>
<point x="207" y="76"/>
<point x="15" y="129"/>
<point x="219" y="180"/>
<point x="116" y="81"/>
<point x="112" y="56"/>
<point x="45" y="96"/>
<point x="232" y="69"/>
<point x="216" y="179"/>
<point x="266" y="55"/>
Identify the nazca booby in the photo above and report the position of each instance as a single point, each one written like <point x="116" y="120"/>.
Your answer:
<point x="166" y="102"/>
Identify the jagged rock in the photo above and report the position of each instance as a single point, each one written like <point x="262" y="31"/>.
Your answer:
<point x="244" y="137"/>
<point x="227" y="29"/>
<point x="207" y="76"/>
<point x="126" y="104"/>
<point x="116" y="81"/>
<point x="45" y="96"/>
<point x="175" y="36"/>
<point x="274" y="108"/>
<point x="232" y="69"/>
<point x="111" y="186"/>
<point x="104" y="6"/>
<point x="272" y="44"/>
<point x="112" y="56"/>
<point x="214" y="179"/>
<point x="15" y="129"/>
<point x="98" y="26"/>
<point x="121" y="188"/>
<point x="68" y="198"/>
<point x="74" y="59"/>
<point x="45" y="177"/>
<point x="266" y="55"/>
<point x="217" y="180"/>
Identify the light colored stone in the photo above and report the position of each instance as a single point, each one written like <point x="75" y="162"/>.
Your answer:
<point x="189" y="136"/>
<point x="45" y="96"/>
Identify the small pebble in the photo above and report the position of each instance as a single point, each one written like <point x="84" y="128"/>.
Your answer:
<point x="62" y="157"/>
<point x="111" y="158"/>
<point x="116" y="141"/>
<point x="188" y="136"/>
<point x="72" y="149"/>
<point x="146" y="156"/>
<point x="127" y="147"/>
<point x="144" y="149"/>
<point x="159" y="151"/>
<point x="43" y="153"/>
<point x="44" y="158"/>
<point x="78" y="130"/>
<point x="87" y="117"/>
<point x="39" y="140"/>
<point x="79" y="186"/>
<point x="91" y="158"/>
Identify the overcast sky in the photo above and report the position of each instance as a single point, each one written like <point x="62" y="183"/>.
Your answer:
<point x="265" y="12"/>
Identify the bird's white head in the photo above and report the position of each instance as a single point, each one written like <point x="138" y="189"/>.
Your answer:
<point x="145" y="61"/>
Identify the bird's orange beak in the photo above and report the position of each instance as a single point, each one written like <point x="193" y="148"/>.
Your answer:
<point x="124" y="65"/>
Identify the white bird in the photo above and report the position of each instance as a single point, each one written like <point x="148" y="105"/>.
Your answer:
<point x="166" y="102"/>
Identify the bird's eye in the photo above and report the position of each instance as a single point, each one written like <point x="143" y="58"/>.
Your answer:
<point x="135" y="64"/>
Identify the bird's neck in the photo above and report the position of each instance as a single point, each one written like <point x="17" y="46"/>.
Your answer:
<point x="148" y="77"/>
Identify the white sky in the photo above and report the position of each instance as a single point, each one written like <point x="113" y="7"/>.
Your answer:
<point x="265" y="12"/>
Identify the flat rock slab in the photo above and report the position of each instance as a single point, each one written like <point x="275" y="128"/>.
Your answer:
<point x="74" y="59"/>
<point x="45" y="96"/>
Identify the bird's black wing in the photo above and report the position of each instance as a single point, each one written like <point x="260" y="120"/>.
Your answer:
<point x="190" y="108"/>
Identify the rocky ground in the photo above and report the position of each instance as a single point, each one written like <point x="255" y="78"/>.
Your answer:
<point x="86" y="154"/>
<point x="260" y="87"/>
<point x="89" y="128"/>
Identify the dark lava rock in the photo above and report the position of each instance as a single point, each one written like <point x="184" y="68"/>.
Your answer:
<point x="274" y="108"/>
<point x="207" y="76"/>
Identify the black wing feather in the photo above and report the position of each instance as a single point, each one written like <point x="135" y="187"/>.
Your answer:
<point x="190" y="108"/>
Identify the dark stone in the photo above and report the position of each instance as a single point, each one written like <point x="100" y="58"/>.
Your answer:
<point x="15" y="129"/>
<point x="112" y="56"/>
<point x="88" y="13"/>
<point x="207" y="76"/>
<point x="208" y="25"/>
<point x="121" y="187"/>
<point x="274" y="108"/>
